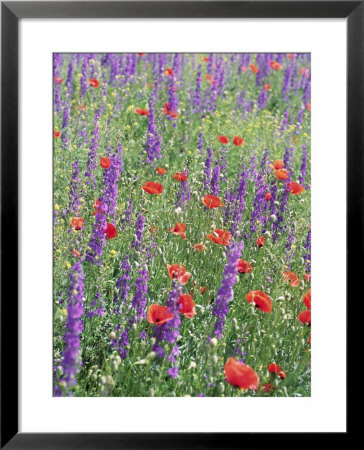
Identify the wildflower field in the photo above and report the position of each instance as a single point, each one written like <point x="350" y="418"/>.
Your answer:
<point x="182" y="260"/>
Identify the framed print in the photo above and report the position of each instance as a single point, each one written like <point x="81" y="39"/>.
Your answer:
<point x="177" y="184"/>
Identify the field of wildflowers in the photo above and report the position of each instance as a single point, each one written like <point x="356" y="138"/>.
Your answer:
<point x="182" y="261"/>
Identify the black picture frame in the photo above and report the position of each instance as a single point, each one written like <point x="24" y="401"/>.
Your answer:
<point x="11" y="12"/>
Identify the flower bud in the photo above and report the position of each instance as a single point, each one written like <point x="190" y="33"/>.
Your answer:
<point x="151" y="356"/>
<point x="192" y="365"/>
<point x="220" y="388"/>
<point x="112" y="335"/>
<point x="213" y="342"/>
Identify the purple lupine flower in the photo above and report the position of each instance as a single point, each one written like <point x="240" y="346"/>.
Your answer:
<point x="278" y="226"/>
<point x="307" y="254"/>
<point x="196" y="99"/>
<point x="288" y="159"/>
<point x="57" y="86"/>
<point x="139" y="300"/>
<point x="240" y="203"/>
<point x="154" y="140"/>
<point x="97" y="306"/>
<point x="172" y="100"/>
<point x="215" y="179"/>
<point x="207" y="171"/>
<point x="263" y="162"/>
<point x="84" y="80"/>
<point x="262" y="99"/>
<point x="74" y="201"/>
<point x="286" y="82"/>
<point x="290" y="241"/>
<point x="200" y="143"/>
<point x="169" y="331"/>
<point x="225" y="292"/>
<point x="183" y="193"/>
<point x="259" y="203"/>
<point x="110" y="187"/>
<point x="97" y="241"/>
<point x="139" y="227"/>
<point x="92" y="155"/>
<point x="285" y="120"/>
<point x="122" y="283"/>
<point x="303" y="169"/>
<point x="126" y="216"/>
<point x="65" y="125"/>
<point x="69" y="80"/>
<point x="223" y="162"/>
<point x="299" y="120"/>
<point x="74" y="327"/>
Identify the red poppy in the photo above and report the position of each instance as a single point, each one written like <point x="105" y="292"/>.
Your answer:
<point x="260" y="241"/>
<point x="169" y="111"/>
<point x="292" y="278"/>
<point x="303" y="72"/>
<point x="307" y="276"/>
<point x="238" y="141"/>
<point x="209" y="79"/>
<point x="289" y="56"/>
<point x="244" y="266"/>
<point x="77" y="222"/>
<point x="308" y="107"/>
<point x="268" y="196"/>
<point x="176" y="271"/>
<point x="305" y="316"/>
<point x="105" y="162"/>
<point x="76" y="253"/>
<point x="254" y="68"/>
<point x="161" y="170"/>
<point x="281" y="174"/>
<point x="205" y="59"/>
<point x="110" y="231"/>
<point x="158" y="314"/>
<point x="93" y="82"/>
<point x="307" y="299"/>
<point x="275" y="368"/>
<point x="199" y="247"/>
<point x="152" y="187"/>
<point x="153" y="229"/>
<point x="243" y="68"/>
<point x="180" y="176"/>
<point x="168" y="71"/>
<point x="58" y="80"/>
<point x="267" y="87"/>
<point x="56" y="134"/>
<point x="186" y="306"/>
<point x="142" y="111"/>
<point x="211" y="201"/>
<point x="309" y="340"/>
<point x="221" y="237"/>
<point x="97" y="207"/>
<point x="203" y="289"/>
<point x="278" y="164"/>
<point x="140" y="54"/>
<point x="240" y="375"/>
<point x="81" y="108"/>
<point x="275" y="65"/>
<point x="179" y="229"/>
<point x="267" y="388"/>
<point x="223" y="139"/>
<point x="295" y="188"/>
<point x="262" y="301"/>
